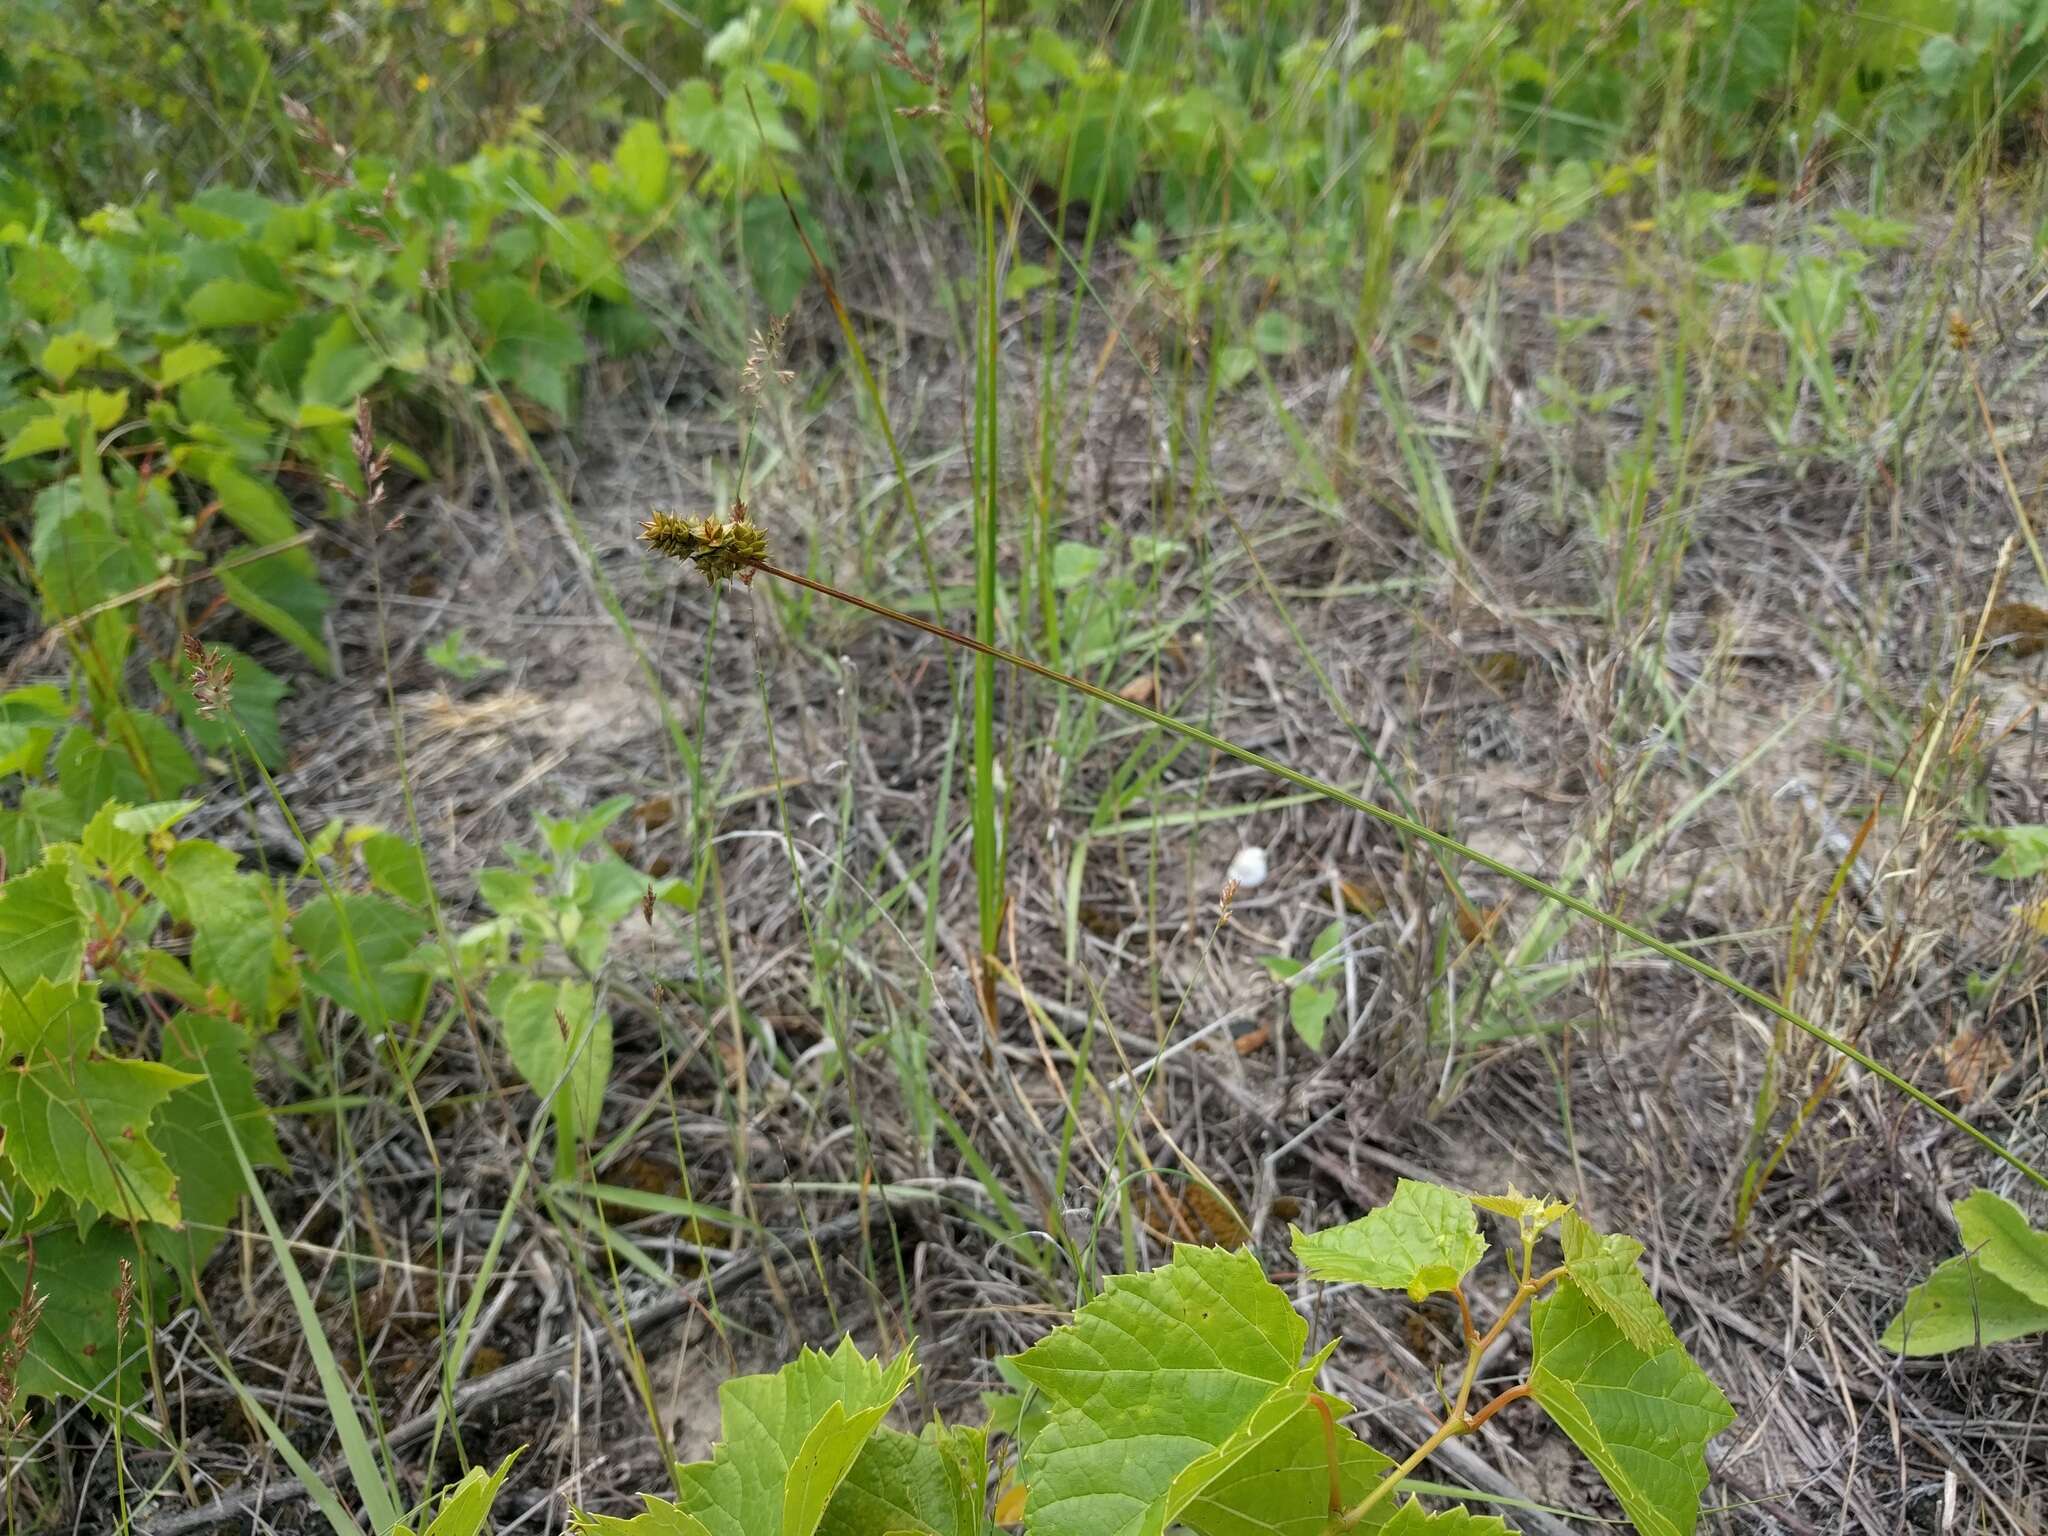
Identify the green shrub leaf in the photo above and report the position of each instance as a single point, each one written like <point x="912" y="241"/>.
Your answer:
<point x="1996" y="1289"/>
<point x="1425" y="1239"/>
<point x="1643" y="1417"/>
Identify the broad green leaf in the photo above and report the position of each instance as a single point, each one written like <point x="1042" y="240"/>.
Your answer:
<point x="81" y="557"/>
<point x="76" y="1350"/>
<point x="1996" y="1289"/>
<point x="340" y="367"/>
<point x="930" y="1486"/>
<point x="190" y="1129"/>
<point x="42" y="932"/>
<point x="379" y="985"/>
<point x="92" y="771"/>
<point x="235" y="928"/>
<point x="283" y="595"/>
<point x="657" y="1519"/>
<point x="1196" y="1364"/>
<point x="1308" y="1009"/>
<point x="46" y="285"/>
<point x="1604" y="1269"/>
<point x="74" y="1122"/>
<point x="187" y="361"/>
<point x="228" y="301"/>
<point x="790" y="1439"/>
<point x="2022" y="851"/>
<point x="397" y="868"/>
<point x="1273" y="1477"/>
<point x="641" y="161"/>
<point x="1425" y="1239"/>
<point x="560" y="1042"/>
<point x="1959" y="1306"/>
<point x="1643" y="1418"/>
<point x="1996" y="1234"/>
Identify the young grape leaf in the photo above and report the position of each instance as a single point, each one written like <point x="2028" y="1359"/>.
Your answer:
<point x="1534" y="1217"/>
<point x="466" y="1508"/>
<point x="1167" y="1387"/>
<point x="1642" y="1417"/>
<point x="1424" y="1239"/>
<point x="384" y="989"/>
<point x="1960" y="1305"/>
<point x="1604" y="1269"/>
<point x="790" y="1440"/>
<point x="74" y="1122"/>
<point x="41" y="931"/>
<point x="235" y="934"/>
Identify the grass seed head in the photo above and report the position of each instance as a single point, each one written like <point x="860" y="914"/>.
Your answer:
<point x="719" y="547"/>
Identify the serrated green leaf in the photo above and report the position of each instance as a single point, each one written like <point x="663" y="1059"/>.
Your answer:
<point x="1273" y="1477"/>
<point x="42" y="933"/>
<point x="1411" y="1519"/>
<point x="466" y="1507"/>
<point x="1179" y="1367"/>
<point x="790" y="1439"/>
<point x="1642" y="1418"/>
<point x="1604" y="1269"/>
<point x="76" y="1123"/>
<point x="642" y="163"/>
<point x="657" y="1519"/>
<point x="1425" y="1239"/>
<point x="284" y="596"/>
<point x="900" y="1483"/>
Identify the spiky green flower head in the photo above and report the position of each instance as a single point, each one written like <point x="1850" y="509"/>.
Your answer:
<point x="719" y="547"/>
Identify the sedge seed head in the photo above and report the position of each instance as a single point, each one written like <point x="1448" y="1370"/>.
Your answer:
<point x="719" y="547"/>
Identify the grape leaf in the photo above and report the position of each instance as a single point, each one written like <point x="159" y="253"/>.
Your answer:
<point x="657" y="1519"/>
<point x="1259" y="1483"/>
<point x="790" y="1440"/>
<point x="41" y="931"/>
<point x="1411" y="1519"/>
<point x="1166" y="1389"/>
<point x="76" y="1123"/>
<point x="1642" y="1417"/>
<point x="1424" y="1239"/>
<point x="466" y="1508"/>
<point x="190" y="1129"/>
<point x="1960" y="1305"/>
<point x="912" y="1486"/>
<point x="75" y="1351"/>
<point x="235" y="933"/>
<point x="1604" y="1269"/>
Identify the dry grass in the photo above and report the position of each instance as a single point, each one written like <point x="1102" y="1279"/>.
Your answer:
<point x="1798" y="644"/>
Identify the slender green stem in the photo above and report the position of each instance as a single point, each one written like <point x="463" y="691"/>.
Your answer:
<point x="1531" y="883"/>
